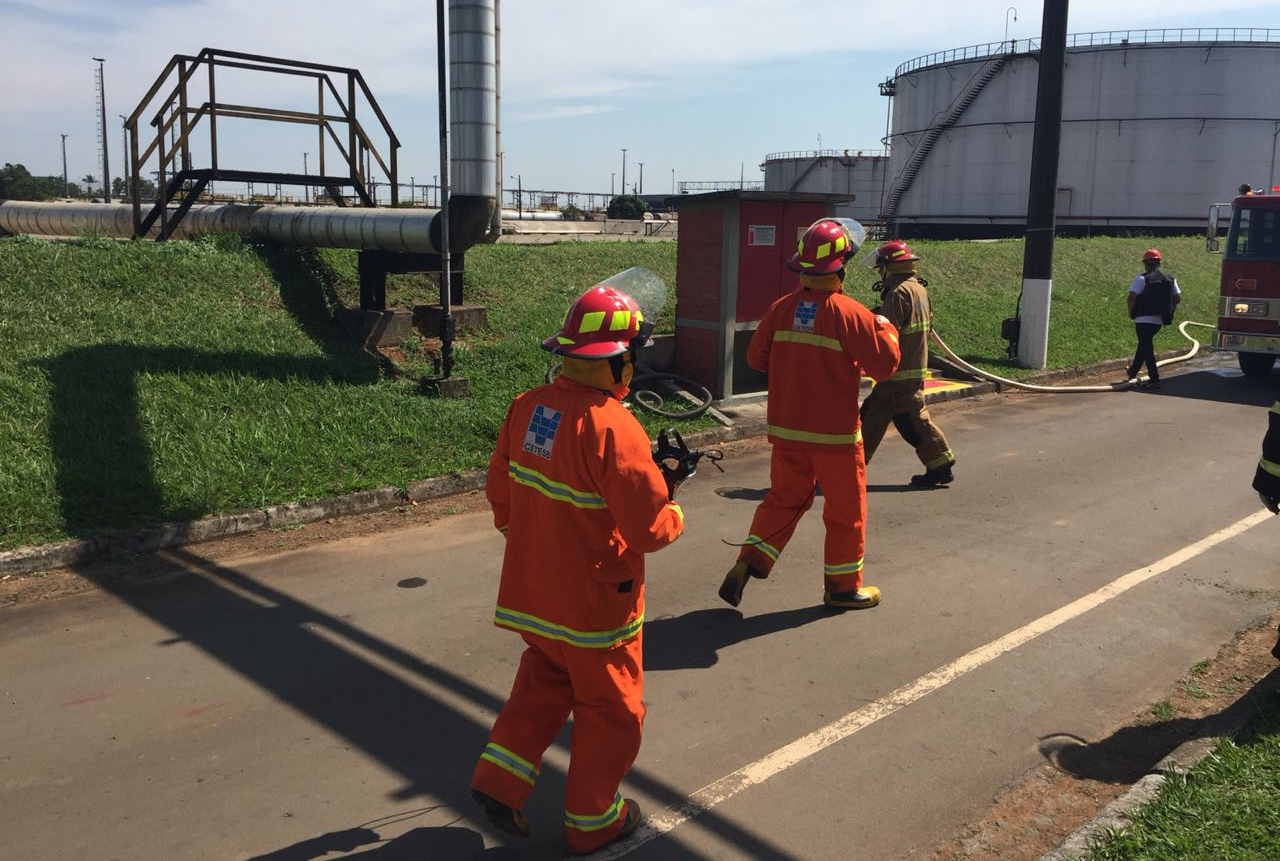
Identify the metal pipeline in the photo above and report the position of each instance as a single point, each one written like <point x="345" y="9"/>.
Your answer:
<point x="415" y="230"/>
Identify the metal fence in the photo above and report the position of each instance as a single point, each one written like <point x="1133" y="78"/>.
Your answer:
<point x="829" y="153"/>
<point x="1097" y="39"/>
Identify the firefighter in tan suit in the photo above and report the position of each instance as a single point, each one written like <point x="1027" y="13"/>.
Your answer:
<point x="900" y="398"/>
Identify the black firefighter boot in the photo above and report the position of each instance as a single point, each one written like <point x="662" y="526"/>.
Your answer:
<point x="1275" y="650"/>
<point x="934" y="477"/>
<point x="735" y="582"/>
<point x="504" y="818"/>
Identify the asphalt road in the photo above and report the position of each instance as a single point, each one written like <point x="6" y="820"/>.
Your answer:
<point x="330" y="702"/>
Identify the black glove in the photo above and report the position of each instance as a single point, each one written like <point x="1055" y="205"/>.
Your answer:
<point x="677" y="461"/>
<point x="1271" y="503"/>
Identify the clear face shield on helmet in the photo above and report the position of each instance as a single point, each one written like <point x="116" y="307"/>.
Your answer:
<point x="649" y="293"/>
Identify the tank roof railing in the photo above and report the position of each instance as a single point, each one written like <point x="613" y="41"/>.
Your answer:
<point x="1097" y="39"/>
<point x="867" y="152"/>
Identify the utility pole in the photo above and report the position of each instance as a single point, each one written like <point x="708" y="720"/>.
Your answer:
<point x="124" y="152"/>
<point x="64" y="165"/>
<point x="641" y="177"/>
<point x="1037" y="260"/>
<point x="306" y="189"/>
<point x="102" y="130"/>
<point x="673" y="180"/>
<point x="612" y="177"/>
<point x="413" y="194"/>
<point x="624" y="170"/>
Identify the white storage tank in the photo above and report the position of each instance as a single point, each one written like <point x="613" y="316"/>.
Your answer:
<point x="859" y="174"/>
<point x="1156" y="126"/>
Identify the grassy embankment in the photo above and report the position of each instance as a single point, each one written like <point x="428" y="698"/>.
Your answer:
<point x="143" y="382"/>
<point x="1226" y="809"/>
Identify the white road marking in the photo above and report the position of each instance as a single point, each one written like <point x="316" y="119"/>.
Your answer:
<point x="802" y="748"/>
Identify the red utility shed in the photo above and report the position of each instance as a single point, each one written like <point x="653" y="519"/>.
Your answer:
<point x="731" y="264"/>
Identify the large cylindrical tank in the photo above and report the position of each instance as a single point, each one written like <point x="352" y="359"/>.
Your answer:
<point x="857" y="173"/>
<point x="1156" y="126"/>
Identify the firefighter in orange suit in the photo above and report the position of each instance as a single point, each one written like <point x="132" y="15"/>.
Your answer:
<point x="574" y="488"/>
<point x="900" y="397"/>
<point x="815" y="343"/>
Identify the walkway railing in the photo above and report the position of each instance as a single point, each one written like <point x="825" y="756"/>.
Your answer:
<point x="1097" y="39"/>
<point x="829" y="153"/>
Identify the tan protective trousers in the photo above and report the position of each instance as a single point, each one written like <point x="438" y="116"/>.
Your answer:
<point x="902" y="403"/>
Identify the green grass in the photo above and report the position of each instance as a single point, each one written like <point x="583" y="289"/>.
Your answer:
<point x="974" y="285"/>
<point x="143" y="382"/>
<point x="1226" y="809"/>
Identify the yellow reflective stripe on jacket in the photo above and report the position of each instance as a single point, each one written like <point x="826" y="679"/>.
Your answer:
<point x="911" y="374"/>
<point x="912" y="328"/>
<point x="595" y="823"/>
<point x="556" y="490"/>
<point x="813" y="436"/>
<point x="1267" y="466"/>
<point x="808" y="338"/>
<point x="679" y="512"/>
<point x="509" y="761"/>
<point x="1275" y="408"/>
<point x="530" y="624"/>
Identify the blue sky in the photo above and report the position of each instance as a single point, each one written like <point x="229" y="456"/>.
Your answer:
<point x="698" y="86"/>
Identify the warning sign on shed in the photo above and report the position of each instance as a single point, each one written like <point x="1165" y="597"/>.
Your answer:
<point x="760" y="234"/>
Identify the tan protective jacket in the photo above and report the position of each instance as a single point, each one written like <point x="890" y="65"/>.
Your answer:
<point x="906" y="305"/>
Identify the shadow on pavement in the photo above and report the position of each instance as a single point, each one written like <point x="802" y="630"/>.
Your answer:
<point x="1130" y="753"/>
<point x="1222" y="385"/>
<point x="692" y="641"/>
<point x="323" y="668"/>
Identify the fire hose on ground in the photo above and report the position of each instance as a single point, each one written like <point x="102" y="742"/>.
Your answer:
<point x="1031" y="387"/>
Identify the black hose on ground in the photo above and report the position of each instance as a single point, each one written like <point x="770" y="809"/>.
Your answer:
<point x="650" y="400"/>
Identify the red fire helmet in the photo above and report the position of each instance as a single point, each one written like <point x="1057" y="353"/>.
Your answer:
<point x="895" y="251"/>
<point x="823" y="248"/>
<point x="602" y="322"/>
<point x="1151" y="254"/>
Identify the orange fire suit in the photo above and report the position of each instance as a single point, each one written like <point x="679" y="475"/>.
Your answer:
<point x="815" y="344"/>
<point x="573" y="485"/>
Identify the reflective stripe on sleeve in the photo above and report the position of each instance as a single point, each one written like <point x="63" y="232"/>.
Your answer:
<point x="813" y="436"/>
<point x="530" y="624"/>
<point x="1267" y="466"/>
<point x="808" y="338"/>
<point x="509" y="761"/>
<point x="911" y="329"/>
<point x="595" y="823"/>
<point x="679" y="512"/>
<point x="1275" y="408"/>
<point x="556" y="490"/>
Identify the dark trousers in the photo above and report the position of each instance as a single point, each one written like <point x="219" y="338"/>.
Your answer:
<point x="1146" y="350"/>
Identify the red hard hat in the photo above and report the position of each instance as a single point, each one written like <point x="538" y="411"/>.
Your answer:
<point x="895" y="251"/>
<point x="1151" y="254"/>
<point x="823" y="249"/>
<point x="602" y="322"/>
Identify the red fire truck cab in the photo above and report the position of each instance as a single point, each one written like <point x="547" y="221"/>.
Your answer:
<point x="1249" y="289"/>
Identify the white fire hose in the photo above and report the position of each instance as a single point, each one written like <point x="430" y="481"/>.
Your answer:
<point x="1113" y="387"/>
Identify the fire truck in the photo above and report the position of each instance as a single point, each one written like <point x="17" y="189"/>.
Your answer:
<point x="1249" y="289"/>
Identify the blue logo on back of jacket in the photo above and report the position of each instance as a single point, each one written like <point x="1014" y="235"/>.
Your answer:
<point x="806" y="313"/>
<point x="540" y="438"/>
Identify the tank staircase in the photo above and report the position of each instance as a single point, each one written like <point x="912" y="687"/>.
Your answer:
<point x="175" y="119"/>
<point x="890" y="209"/>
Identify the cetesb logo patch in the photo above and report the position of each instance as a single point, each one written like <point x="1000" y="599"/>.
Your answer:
<point x="806" y="313"/>
<point x="541" y="435"/>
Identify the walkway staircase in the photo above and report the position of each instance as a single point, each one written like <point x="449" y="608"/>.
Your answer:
<point x="890" y="210"/>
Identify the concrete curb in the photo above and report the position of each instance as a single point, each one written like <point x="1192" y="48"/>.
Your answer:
<point x="1180" y="761"/>
<point x="64" y="554"/>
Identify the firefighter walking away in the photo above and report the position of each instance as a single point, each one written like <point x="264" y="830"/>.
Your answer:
<point x="815" y="343"/>
<point x="1266" y="478"/>
<point x="899" y="397"/>
<point x="574" y="488"/>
